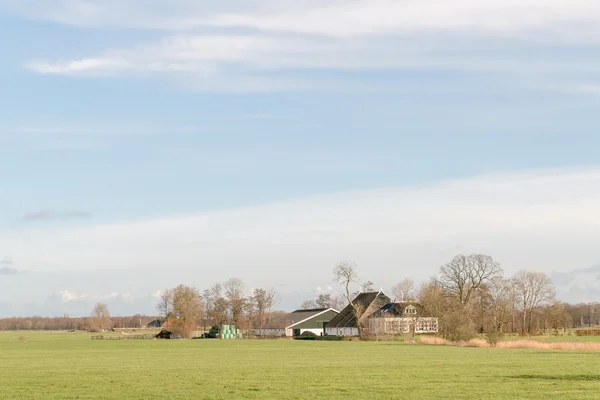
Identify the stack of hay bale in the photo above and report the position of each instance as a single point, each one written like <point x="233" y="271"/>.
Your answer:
<point x="229" y="332"/>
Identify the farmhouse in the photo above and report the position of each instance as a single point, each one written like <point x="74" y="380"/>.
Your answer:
<point x="396" y="318"/>
<point x="297" y="322"/>
<point x="345" y="323"/>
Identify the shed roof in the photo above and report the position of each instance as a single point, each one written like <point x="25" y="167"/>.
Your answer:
<point x="368" y="301"/>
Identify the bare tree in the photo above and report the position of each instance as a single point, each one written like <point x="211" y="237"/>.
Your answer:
<point x="184" y="305"/>
<point x="463" y="275"/>
<point x="164" y="305"/>
<point x="308" y="305"/>
<point x="326" y="300"/>
<point x="405" y="290"/>
<point x="234" y="292"/>
<point x="217" y="305"/>
<point x="345" y="274"/>
<point x="101" y="317"/>
<point x="263" y="301"/>
<point x="534" y="289"/>
<point x="502" y="300"/>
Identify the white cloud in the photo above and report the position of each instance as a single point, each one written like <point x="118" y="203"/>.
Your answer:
<point x="546" y="220"/>
<point x="67" y="296"/>
<point x="236" y="46"/>
<point x="336" y="17"/>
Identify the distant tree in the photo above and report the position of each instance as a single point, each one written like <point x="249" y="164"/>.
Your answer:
<point x="534" y="289"/>
<point x="405" y="290"/>
<point x="502" y="301"/>
<point x="463" y="275"/>
<point x="234" y="292"/>
<point x="308" y="304"/>
<point x="346" y="275"/>
<point x="326" y="300"/>
<point x="185" y="310"/>
<point x="262" y="301"/>
<point x="100" y="317"/>
<point x="217" y="306"/>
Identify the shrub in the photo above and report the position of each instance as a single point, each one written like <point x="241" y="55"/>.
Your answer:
<point x="492" y="338"/>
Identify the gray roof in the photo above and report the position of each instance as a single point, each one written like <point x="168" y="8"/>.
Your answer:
<point x="368" y="301"/>
<point x="393" y="310"/>
<point x="294" y="317"/>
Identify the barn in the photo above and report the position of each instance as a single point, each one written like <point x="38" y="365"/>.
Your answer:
<point x="345" y="323"/>
<point x="298" y="322"/>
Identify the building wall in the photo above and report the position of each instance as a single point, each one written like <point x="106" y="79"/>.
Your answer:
<point x="341" y="331"/>
<point x="399" y="326"/>
<point x="270" y="332"/>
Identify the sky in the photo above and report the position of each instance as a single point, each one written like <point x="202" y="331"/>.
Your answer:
<point x="144" y="144"/>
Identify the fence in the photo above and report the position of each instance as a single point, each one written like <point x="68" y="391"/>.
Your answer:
<point x="124" y="337"/>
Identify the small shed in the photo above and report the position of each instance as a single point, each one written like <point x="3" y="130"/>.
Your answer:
<point x="164" y="334"/>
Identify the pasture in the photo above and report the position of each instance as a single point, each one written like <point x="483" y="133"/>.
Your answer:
<point x="59" y="365"/>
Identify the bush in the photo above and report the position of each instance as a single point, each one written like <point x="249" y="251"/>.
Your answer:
<point x="492" y="338"/>
<point x="587" y="332"/>
<point x="309" y="333"/>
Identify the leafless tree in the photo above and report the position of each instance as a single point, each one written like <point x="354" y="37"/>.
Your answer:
<point x="101" y="317"/>
<point x="217" y="305"/>
<point x="263" y="302"/>
<point x="165" y="302"/>
<point x="502" y="301"/>
<point x="327" y="300"/>
<point x="405" y="290"/>
<point x="184" y="305"/>
<point x="534" y="289"/>
<point x="308" y="305"/>
<point x="463" y="275"/>
<point x="234" y="292"/>
<point x="346" y="275"/>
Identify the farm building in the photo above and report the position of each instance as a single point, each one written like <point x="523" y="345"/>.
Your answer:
<point x="157" y="323"/>
<point x="297" y="322"/>
<point x="345" y="323"/>
<point x="396" y="318"/>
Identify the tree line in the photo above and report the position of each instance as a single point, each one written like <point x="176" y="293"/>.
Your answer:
<point x="469" y="294"/>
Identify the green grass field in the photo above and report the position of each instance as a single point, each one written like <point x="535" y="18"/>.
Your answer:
<point x="71" y="366"/>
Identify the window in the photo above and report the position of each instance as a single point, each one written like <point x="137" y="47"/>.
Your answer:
<point x="410" y="310"/>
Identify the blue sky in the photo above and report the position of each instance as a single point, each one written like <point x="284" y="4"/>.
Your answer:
<point x="142" y="152"/>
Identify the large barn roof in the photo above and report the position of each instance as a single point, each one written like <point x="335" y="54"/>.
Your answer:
<point x="368" y="301"/>
<point x="397" y="309"/>
<point x="295" y="317"/>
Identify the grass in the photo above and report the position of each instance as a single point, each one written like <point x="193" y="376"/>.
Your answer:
<point x="71" y="366"/>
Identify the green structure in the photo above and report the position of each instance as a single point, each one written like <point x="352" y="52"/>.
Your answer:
<point x="229" y="332"/>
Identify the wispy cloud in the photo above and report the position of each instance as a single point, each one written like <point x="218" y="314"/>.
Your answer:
<point x="336" y="18"/>
<point x="67" y="296"/>
<point x="50" y="215"/>
<point x="239" y="46"/>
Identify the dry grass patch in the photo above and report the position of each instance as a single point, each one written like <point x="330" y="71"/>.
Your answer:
<point x="515" y="344"/>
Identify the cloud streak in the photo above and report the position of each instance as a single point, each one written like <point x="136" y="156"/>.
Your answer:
<point x="239" y="47"/>
<point x="50" y="215"/>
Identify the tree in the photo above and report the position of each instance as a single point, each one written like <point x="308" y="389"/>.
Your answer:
<point x="263" y="300"/>
<point x="463" y="275"/>
<point x="184" y="305"/>
<point x="216" y="305"/>
<point x="164" y="305"/>
<point x="326" y="300"/>
<point x="534" y="289"/>
<point x="234" y="292"/>
<point x="100" y="317"/>
<point x="405" y="290"/>
<point x="345" y="274"/>
<point x="308" y="304"/>
<point x="502" y="298"/>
